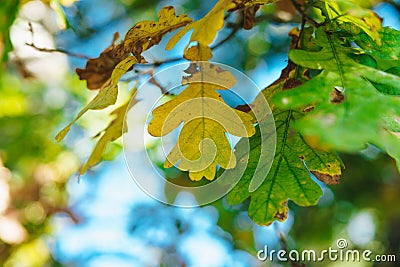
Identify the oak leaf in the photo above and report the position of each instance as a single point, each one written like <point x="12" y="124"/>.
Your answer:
<point x="202" y="143"/>
<point x="112" y="132"/>
<point x="98" y="70"/>
<point x="146" y="34"/>
<point x="344" y="11"/>
<point x="387" y="54"/>
<point x="356" y="116"/>
<point x="289" y="176"/>
<point x="205" y="29"/>
<point x="106" y="96"/>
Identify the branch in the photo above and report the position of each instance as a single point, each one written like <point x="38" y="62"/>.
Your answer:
<point x="153" y="81"/>
<point x="284" y="245"/>
<point x="59" y="50"/>
<point x="394" y="4"/>
<point x="235" y="28"/>
<point x="302" y="12"/>
<point x="270" y="18"/>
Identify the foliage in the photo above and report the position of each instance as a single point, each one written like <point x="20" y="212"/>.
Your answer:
<point x="289" y="176"/>
<point x="333" y="96"/>
<point x="111" y="133"/>
<point x="338" y="94"/>
<point x="7" y="12"/>
<point x="107" y="94"/>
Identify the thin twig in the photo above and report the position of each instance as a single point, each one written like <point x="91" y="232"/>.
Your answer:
<point x="270" y="18"/>
<point x="153" y="81"/>
<point x="235" y="29"/>
<point x="284" y="245"/>
<point x="302" y="12"/>
<point x="394" y="4"/>
<point x="50" y="50"/>
<point x="58" y="50"/>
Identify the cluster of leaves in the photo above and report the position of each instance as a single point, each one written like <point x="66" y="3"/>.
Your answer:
<point x="104" y="72"/>
<point x="339" y="92"/>
<point x="346" y="96"/>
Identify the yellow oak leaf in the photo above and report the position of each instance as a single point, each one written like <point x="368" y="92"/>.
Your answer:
<point x="213" y="148"/>
<point x="347" y="11"/>
<point x="106" y="96"/>
<point x="198" y="52"/>
<point x="145" y="34"/>
<point x="112" y="132"/>
<point x="202" y="142"/>
<point x="206" y="28"/>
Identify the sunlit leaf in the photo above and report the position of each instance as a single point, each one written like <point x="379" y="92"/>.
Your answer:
<point x="205" y="29"/>
<point x="344" y="11"/>
<point x="145" y="34"/>
<point x="107" y="94"/>
<point x="202" y="143"/>
<point x="112" y="132"/>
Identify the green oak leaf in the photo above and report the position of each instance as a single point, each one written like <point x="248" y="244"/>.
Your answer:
<point x="387" y="89"/>
<point x="390" y="48"/>
<point x="349" y="110"/>
<point x="288" y="177"/>
<point x="348" y="12"/>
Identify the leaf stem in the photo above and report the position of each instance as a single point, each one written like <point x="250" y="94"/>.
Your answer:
<point x="305" y="16"/>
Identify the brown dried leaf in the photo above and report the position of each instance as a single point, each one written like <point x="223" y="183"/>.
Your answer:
<point x="327" y="178"/>
<point x="98" y="70"/>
